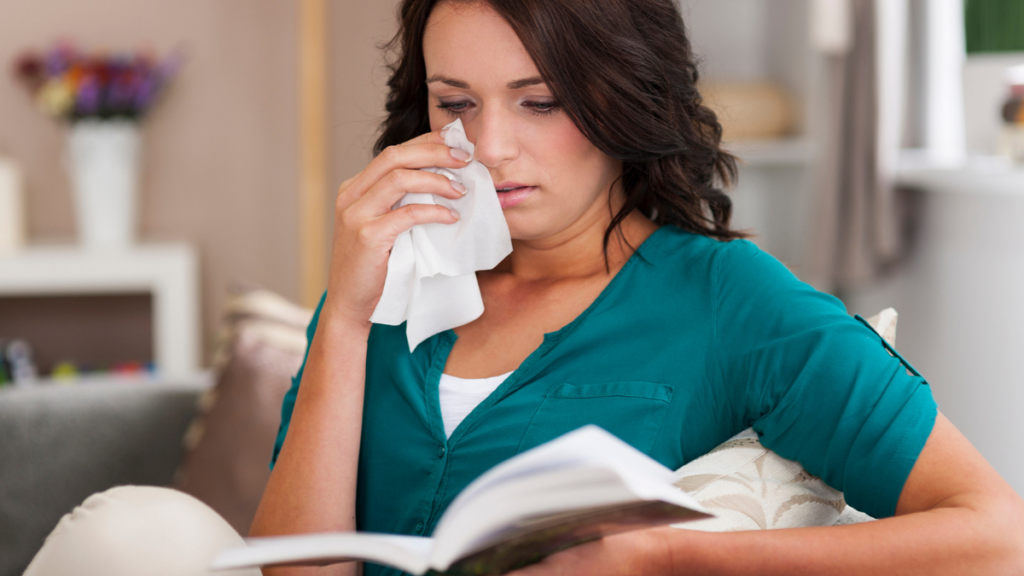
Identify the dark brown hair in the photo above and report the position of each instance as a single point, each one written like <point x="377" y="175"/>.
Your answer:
<point x="625" y="72"/>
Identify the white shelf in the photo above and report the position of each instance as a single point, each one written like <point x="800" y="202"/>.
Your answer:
<point x="978" y="175"/>
<point x="167" y="271"/>
<point x="199" y="381"/>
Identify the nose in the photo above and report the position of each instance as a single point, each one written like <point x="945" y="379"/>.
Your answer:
<point x="496" y="143"/>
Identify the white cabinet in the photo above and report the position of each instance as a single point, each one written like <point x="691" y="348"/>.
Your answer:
<point x="169" y="272"/>
<point x="767" y="40"/>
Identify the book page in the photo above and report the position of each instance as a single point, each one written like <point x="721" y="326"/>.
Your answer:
<point x="408" y="553"/>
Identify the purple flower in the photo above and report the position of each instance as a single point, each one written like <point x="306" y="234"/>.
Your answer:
<point x="170" y="65"/>
<point x="87" y="102"/>
<point x="145" y="93"/>
<point x="119" y="95"/>
<point x="59" y="59"/>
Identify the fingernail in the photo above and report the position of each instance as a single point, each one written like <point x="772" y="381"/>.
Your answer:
<point x="460" y="154"/>
<point x="458" y="187"/>
<point x="454" y="213"/>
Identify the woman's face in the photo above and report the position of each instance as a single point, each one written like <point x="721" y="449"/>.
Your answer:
<point x="479" y="71"/>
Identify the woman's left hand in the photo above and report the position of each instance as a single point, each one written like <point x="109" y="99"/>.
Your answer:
<point x="638" y="553"/>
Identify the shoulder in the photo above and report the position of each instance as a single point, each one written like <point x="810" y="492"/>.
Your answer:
<point x="693" y="259"/>
<point x="742" y="285"/>
<point x="671" y="246"/>
<point x="749" y="282"/>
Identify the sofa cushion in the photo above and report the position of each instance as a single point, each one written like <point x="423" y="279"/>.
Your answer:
<point x="230" y="443"/>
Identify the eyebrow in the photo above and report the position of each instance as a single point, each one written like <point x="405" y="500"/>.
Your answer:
<point x="513" y="85"/>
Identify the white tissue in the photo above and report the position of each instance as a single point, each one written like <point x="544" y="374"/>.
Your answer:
<point x="431" y="282"/>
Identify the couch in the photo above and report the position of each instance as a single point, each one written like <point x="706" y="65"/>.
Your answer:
<point x="59" y="444"/>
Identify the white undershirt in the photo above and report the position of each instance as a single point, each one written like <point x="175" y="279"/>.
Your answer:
<point x="459" y="396"/>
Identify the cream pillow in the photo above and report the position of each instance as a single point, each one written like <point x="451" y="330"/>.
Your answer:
<point x="749" y="487"/>
<point x="137" y="530"/>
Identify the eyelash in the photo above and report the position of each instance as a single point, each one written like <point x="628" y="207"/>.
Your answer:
<point x="535" y="108"/>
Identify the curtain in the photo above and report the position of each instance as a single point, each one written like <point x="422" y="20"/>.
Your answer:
<point x="872" y="67"/>
<point x="854" y="235"/>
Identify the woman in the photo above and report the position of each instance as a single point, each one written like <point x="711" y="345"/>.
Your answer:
<point x="626" y="301"/>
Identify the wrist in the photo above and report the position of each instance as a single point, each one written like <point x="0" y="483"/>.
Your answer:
<point x="677" y="551"/>
<point x="338" y="320"/>
<point x="658" y="553"/>
<point x="646" y="551"/>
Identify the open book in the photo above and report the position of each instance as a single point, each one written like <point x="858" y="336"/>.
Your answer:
<point x="573" y="489"/>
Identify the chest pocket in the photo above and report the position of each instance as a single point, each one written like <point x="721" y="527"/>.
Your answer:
<point x="633" y="411"/>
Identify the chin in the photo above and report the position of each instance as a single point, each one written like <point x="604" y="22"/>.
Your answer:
<point x="521" y="228"/>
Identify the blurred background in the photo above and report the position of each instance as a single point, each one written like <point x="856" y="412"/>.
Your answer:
<point x="167" y="171"/>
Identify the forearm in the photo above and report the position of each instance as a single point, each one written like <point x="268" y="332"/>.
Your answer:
<point x="953" y="540"/>
<point x="313" y="485"/>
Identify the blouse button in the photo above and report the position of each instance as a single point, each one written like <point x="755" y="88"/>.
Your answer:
<point x="419" y="527"/>
<point x="441" y="451"/>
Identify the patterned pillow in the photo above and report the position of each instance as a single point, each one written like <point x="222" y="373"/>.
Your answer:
<point x="749" y="487"/>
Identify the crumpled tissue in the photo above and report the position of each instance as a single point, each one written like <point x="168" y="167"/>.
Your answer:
<point x="431" y="281"/>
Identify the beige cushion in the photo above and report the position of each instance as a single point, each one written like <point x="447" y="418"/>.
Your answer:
<point x="749" y="487"/>
<point x="134" y="530"/>
<point x="230" y="443"/>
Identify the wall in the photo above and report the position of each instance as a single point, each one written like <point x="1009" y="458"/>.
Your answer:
<point x="729" y="36"/>
<point x="221" y="149"/>
<point x="357" y="84"/>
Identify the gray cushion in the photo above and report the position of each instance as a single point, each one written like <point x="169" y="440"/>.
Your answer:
<point x="59" y="444"/>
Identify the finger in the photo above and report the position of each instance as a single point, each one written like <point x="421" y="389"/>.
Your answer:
<point x="390" y="189"/>
<point x="357" y="185"/>
<point x="414" y="156"/>
<point x="397" y="221"/>
<point x="435" y="137"/>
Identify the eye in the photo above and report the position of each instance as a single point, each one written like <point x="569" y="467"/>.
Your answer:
<point x="453" y="108"/>
<point x="542" y="108"/>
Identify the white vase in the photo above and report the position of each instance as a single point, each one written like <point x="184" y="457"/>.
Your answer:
<point x="103" y="157"/>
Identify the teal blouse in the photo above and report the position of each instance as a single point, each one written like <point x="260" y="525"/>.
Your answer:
<point x="691" y="342"/>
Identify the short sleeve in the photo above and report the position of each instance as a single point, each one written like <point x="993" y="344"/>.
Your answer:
<point x="288" y="405"/>
<point x="817" y="385"/>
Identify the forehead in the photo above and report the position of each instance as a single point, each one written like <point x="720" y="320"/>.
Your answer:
<point x="472" y="42"/>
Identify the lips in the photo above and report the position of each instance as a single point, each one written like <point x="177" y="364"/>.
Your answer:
<point x="508" y="186"/>
<point x="513" y="193"/>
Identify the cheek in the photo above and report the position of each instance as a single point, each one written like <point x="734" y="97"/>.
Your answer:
<point x="561" y="139"/>
<point x="574" y="161"/>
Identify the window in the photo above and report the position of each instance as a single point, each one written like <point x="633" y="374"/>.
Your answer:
<point x="995" y="26"/>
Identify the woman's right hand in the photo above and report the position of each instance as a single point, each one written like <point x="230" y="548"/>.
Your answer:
<point x="365" y="226"/>
<point x="313" y="485"/>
